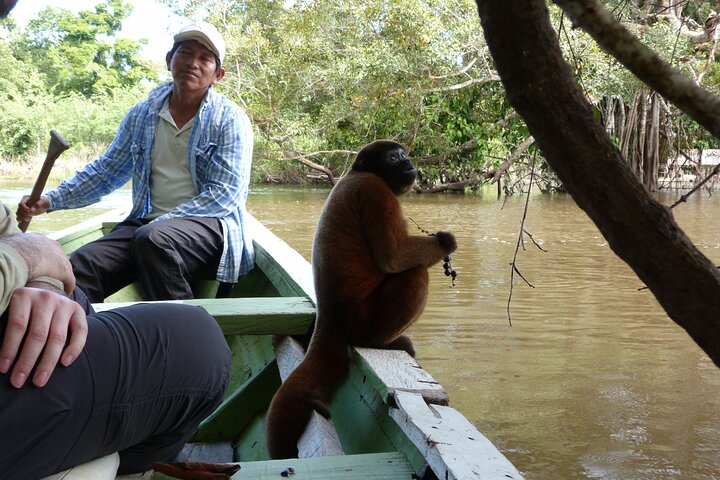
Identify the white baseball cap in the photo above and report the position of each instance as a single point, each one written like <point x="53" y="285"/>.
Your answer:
<point x="204" y="33"/>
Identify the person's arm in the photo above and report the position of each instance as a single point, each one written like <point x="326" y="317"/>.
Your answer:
<point x="25" y="211"/>
<point x="102" y="176"/>
<point x="227" y="176"/>
<point x="38" y="256"/>
<point x="31" y="256"/>
<point x="38" y="319"/>
<point x="13" y="274"/>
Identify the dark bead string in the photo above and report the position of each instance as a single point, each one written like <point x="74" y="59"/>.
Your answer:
<point x="447" y="266"/>
<point x="449" y="272"/>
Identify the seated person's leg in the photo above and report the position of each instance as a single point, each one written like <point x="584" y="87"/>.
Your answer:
<point x="170" y="254"/>
<point x="147" y="376"/>
<point x="103" y="267"/>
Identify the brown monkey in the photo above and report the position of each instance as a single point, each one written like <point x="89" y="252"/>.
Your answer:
<point x="371" y="283"/>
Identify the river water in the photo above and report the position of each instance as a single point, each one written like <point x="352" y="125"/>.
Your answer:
<point x="586" y="377"/>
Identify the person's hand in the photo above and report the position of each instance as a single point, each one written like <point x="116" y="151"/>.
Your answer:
<point x="25" y="212"/>
<point x="44" y="257"/>
<point x="43" y="319"/>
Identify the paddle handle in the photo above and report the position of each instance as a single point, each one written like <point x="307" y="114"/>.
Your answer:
<point x="57" y="146"/>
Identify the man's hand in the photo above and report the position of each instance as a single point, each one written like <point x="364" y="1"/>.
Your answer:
<point x="43" y="256"/>
<point x="46" y="318"/>
<point x="25" y="212"/>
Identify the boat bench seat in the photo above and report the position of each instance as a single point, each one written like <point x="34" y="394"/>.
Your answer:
<point x="389" y="466"/>
<point x="249" y="316"/>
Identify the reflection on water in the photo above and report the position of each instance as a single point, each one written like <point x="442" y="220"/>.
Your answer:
<point x="592" y="380"/>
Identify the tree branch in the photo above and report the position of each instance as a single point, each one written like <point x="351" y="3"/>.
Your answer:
<point x="684" y="198"/>
<point x="455" y="186"/>
<point x="519" y="150"/>
<point x="461" y="149"/>
<point x="644" y="63"/>
<point x="303" y="158"/>
<point x="462" y="71"/>
<point x="642" y="232"/>
<point x="491" y="78"/>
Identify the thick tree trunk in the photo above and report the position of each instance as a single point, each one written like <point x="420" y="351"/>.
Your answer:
<point x="641" y="231"/>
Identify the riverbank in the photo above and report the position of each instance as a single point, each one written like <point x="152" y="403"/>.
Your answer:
<point x="28" y="168"/>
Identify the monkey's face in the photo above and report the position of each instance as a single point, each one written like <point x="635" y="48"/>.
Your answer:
<point x="388" y="160"/>
<point x="400" y="173"/>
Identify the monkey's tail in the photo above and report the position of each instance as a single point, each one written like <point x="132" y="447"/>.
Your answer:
<point x="310" y="387"/>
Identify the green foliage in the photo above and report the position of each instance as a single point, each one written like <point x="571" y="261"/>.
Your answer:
<point x="327" y="77"/>
<point x="79" y="53"/>
<point x="331" y="76"/>
<point x="84" y="122"/>
<point x="68" y="72"/>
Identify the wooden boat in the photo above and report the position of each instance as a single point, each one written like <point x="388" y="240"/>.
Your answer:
<point x="390" y="419"/>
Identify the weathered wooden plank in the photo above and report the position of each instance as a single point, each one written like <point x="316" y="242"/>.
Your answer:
<point x="250" y="355"/>
<point x="289" y="353"/>
<point x="320" y="438"/>
<point x="393" y="371"/>
<point x="453" y="447"/>
<point x="128" y="294"/>
<point x="218" y="452"/>
<point x="375" y="466"/>
<point x="250" y="316"/>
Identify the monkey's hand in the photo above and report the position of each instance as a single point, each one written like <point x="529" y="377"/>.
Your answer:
<point x="447" y="241"/>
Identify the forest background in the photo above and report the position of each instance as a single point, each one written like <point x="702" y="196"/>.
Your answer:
<point x="322" y="78"/>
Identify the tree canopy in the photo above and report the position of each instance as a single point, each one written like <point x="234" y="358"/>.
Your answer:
<point x="321" y="78"/>
<point x="81" y="53"/>
<point x="64" y="70"/>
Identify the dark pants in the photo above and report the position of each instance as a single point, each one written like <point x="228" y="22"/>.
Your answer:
<point x="145" y="379"/>
<point x="167" y="256"/>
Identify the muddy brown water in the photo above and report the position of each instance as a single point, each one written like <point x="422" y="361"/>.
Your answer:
<point x="591" y="380"/>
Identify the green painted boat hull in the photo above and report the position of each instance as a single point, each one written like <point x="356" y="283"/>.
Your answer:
<point x="385" y="417"/>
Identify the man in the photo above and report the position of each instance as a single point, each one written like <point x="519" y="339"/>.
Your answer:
<point x="188" y="151"/>
<point x="134" y="380"/>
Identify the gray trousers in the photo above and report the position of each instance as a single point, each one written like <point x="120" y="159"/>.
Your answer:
<point x="167" y="256"/>
<point x="146" y="378"/>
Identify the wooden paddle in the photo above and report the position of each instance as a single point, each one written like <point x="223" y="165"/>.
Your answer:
<point x="57" y="146"/>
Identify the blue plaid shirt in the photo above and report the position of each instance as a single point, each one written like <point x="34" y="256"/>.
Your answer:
<point x="219" y="155"/>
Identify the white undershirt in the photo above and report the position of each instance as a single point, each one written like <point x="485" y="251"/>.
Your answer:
<point x="170" y="180"/>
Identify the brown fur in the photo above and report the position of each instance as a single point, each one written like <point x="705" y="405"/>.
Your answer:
<point x="371" y="283"/>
